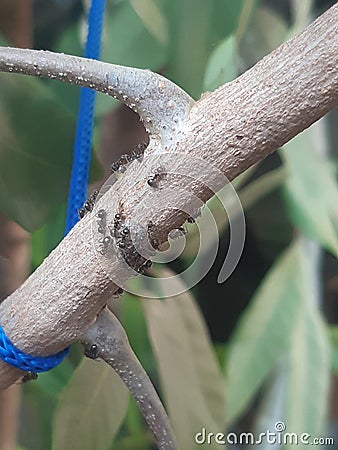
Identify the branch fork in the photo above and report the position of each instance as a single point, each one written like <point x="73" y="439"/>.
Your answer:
<point x="234" y="127"/>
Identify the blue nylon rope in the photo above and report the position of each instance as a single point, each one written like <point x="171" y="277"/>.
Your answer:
<point x="15" y="357"/>
<point x="77" y="191"/>
<point x="85" y="122"/>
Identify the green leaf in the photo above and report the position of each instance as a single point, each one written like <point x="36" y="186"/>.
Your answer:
<point x="307" y="373"/>
<point x="227" y="16"/>
<point x="128" y="42"/>
<point x="298" y="394"/>
<point x="134" y="322"/>
<point x="91" y="408"/>
<point x="36" y="139"/>
<point x="152" y="17"/>
<point x="264" y="331"/>
<point x="311" y="191"/>
<point x="216" y="208"/>
<point x="190" y="376"/>
<point x="191" y="29"/>
<point x="221" y="66"/>
<point x="260" y="187"/>
<point x="244" y="19"/>
<point x="51" y="383"/>
<point x="333" y="335"/>
<point x="46" y="238"/>
<point x="266" y="31"/>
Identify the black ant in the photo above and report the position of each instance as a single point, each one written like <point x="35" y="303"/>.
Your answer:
<point x="118" y="293"/>
<point x="88" y="204"/>
<point x="124" y="159"/>
<point x="125" y="231"/>
<point x="120" y="164"/>
<point x="104" y="245"/>
<point x="159" y="173"/>
<point x="145" y="266"/>
<point x="92" y="352"/>
<point x="29" y="376"/>
<point x="115" y="167"/>
<point x="138" y="151"/>
<point x="81" y="213"/>
<point x="121" y="233"/>
<point x="101" y="214"/>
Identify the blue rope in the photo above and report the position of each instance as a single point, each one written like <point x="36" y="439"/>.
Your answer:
<point x="29" y="363"/>
<point x="84" y="130"/>
<point x="77" y="191"/>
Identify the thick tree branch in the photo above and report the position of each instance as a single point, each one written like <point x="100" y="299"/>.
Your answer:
<point x="233" y="127"/>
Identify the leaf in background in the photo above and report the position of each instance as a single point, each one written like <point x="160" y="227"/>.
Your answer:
<point x="265" y="32"/>
<point x="46" y="238"/>
<point x="39" y="402"/>
<point x="91" y="408"/>
<point x="307" y="372"/>
<point x="127" y="42"/>
<point x="263" y="333"/>
<point x="221" y="66"/>
<point x="190" y="376"/>
<point x="333" y="335"/>
<point x="311" y="191"/>
<point x="244" y="18"/>
<point x="36" y="137"/>
<point x="191" y="29"/>
<point x="134" y="322"/>
<point x="216" y="208"/>
<point x="252" y="193"/>
<point x="226" y="16"/>
<point x="302" y="14"/>
<point x="52" y="382"/>
<point x="300" y="388"/>
<point x="152" y="17"/>
<point x="260" y="187"/>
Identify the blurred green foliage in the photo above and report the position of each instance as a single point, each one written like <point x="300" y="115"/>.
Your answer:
<point x="279" y="343"/>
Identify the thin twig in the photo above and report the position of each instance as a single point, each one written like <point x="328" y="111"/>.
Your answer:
<point x="161" y="104"/>
<point x="107" y="339"/>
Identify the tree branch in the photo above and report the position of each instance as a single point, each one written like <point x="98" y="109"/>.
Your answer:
<point x="112" y="345"/>
<point x="160" y="103"/>
<point x="234" y="127"/>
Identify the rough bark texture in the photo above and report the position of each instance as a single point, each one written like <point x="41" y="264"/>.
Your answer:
<point x="237" y="125"/>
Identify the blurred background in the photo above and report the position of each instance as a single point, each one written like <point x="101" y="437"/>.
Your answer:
<point x="237" y="357"/>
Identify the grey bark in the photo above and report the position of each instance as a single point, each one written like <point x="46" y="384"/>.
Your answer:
<point x="108" y="335"/>
<point x="237" y="125"/>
